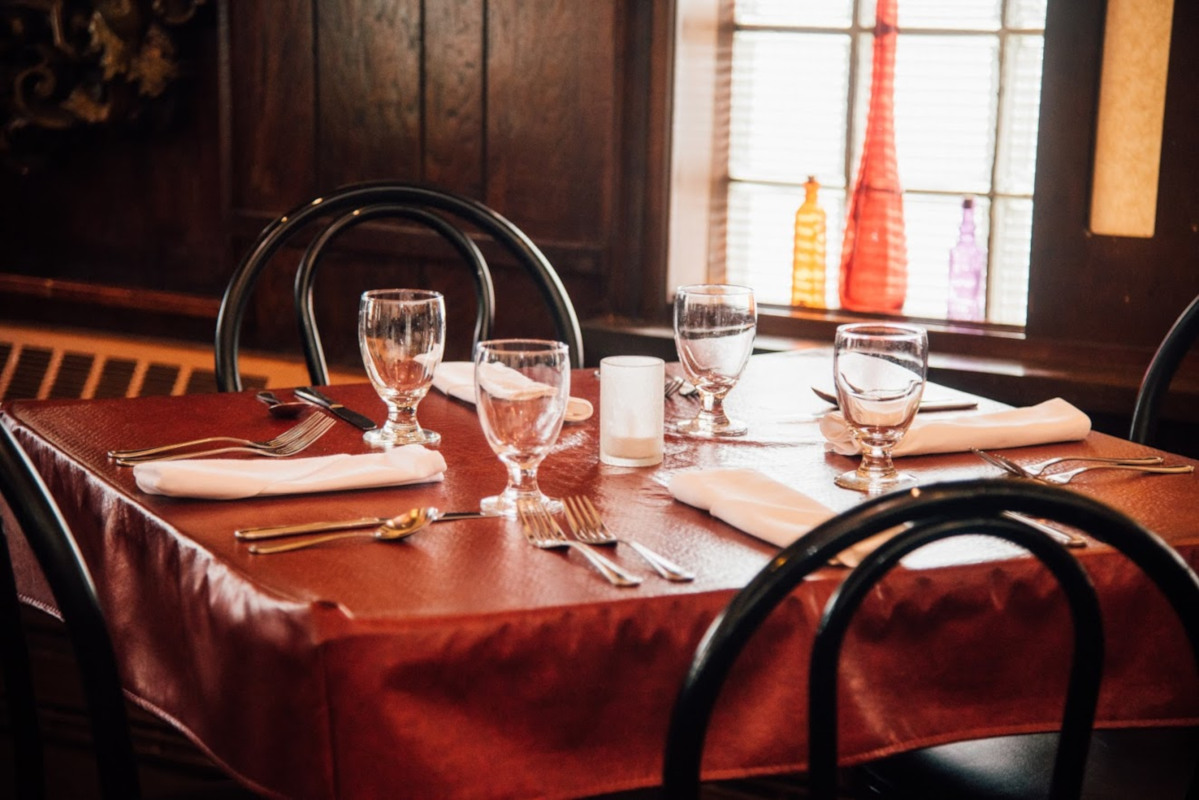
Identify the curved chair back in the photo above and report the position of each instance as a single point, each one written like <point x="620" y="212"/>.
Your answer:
<point x="69" y="580"/>
<point x="1164" y="364"/>
<point x="353" y="205"/>
<point x="930" y="513"/>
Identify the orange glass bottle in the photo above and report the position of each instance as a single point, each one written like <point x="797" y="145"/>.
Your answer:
<point x="808" y="263"/>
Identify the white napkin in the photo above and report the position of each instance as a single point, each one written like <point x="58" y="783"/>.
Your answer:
<point x="234" y="479"/>
<point x="457" y="379"/>
<point x="1052" y="421"/>
<point x="752" y="502"/>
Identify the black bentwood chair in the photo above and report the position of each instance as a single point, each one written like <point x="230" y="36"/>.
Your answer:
<point x="1156" y="382"/>
<point x="929" y="514"/>
<point x="68" y="578"/>
<point x="333" y="214"/>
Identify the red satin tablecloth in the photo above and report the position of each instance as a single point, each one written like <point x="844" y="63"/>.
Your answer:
<point x="464" y="663"/>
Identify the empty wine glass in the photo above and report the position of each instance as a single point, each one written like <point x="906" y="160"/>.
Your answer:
<point x="401" y="333"/>
<point x="879" y="371"/>
<point x="521" y="389"/>
<point x="714" y="328"/>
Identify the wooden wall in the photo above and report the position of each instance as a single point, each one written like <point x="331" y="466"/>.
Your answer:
<point x="545" y="110"/>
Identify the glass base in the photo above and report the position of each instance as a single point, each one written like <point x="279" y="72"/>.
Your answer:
<point x="874" y="483"/>
<point x="505" y="503"/>
<point x="383" y="437"/>
<point x="703" y="428"/>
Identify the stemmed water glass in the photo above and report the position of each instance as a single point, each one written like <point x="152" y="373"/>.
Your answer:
<point x="401" y="334"/>
<point x="521" y="389"/>
<point x="714" y="327"/>
<point x="879" y="371"/>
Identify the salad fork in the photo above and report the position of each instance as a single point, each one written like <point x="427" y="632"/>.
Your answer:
<point x="588" y="527"/>
<point x="298" y="431"/>
<point x="542" y="531"/>
<point x="291" y="446"/>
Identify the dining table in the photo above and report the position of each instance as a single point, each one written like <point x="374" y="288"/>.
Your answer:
<point x="463" y="662"/>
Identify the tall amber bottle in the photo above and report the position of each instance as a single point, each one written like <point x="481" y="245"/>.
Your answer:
<point x="808" y="264"/>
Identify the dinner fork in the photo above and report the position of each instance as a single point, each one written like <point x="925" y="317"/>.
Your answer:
<point x="290" y="447"/>
<point x="1062" y="478"/>
<point x="588" y="527"/>
<point x="673" y="385"/>
<point x="542" y="531"/>
<point x="297" y="431"/>
<point x="1035" y="470"/>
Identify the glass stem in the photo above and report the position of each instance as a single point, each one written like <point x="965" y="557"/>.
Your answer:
<point x="522" y="480"/>
<point x="712" y="409"/>
<point x="876" y="462"/>
<point x="402" y="418"/>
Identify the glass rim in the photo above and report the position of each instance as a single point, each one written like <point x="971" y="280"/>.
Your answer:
<point x="632" y="361"/>
<point x="409" y="295"/>
<point x="522" y="345"/>
<point x="892" y="330"/>
<point x="713" y="288"/>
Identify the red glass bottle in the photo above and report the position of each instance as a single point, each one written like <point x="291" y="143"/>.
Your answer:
<point x="874" y="257"/>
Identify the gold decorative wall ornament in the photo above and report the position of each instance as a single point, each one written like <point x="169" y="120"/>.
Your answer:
<point x="73" y="65"/>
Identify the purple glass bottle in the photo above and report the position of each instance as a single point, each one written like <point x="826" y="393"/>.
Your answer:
<point x="967" y="272"/>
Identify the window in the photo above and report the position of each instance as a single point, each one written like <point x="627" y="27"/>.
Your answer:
<point x="967" y="99"/>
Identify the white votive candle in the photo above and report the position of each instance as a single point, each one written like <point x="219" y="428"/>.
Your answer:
<point x="632" y="402"/>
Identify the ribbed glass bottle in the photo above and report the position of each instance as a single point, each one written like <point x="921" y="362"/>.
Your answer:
<point x="808" y="263"/>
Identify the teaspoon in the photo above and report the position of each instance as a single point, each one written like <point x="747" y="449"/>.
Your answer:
<point x="278" y="408"/>
<point x="394" y="529"/>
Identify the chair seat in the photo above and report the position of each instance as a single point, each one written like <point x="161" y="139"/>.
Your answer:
<point x="1131" y="763"/>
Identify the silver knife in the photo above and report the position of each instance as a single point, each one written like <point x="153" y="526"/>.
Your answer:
<point x="925" y="405"/>
<point x="308" y="394"/>
<point x="277" y="531"/>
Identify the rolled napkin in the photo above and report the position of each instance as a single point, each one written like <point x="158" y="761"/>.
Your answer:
<point x="457" y="379"/>
<point x="235" y="479"/>
<point x="752" y="502"/>
<point x="1052" y="421"/>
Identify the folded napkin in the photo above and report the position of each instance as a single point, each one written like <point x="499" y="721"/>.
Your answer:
<point x="234" y="479"/>
<point x="752" y="502"/>
<point x="1052" y="421"/>
<point x="457" y="379"/>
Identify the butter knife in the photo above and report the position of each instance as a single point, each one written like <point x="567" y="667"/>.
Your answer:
<point x="925" y="405"/>
<point x="277" y="531"/>
<point x="311" y="395"/>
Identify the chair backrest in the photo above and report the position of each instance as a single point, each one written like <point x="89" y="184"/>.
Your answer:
<point x="441" y="211"/>
<point x="930" y="513"/>
<point x="75" y="596"/>
<point x="1164" y="364"/>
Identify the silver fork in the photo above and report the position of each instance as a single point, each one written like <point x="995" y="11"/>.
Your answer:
<point x="588" y="527"/>
<point x="1035" y="470"/>
<point x="1062" y="478"/>
<point x="290" y="447"/>
<point x="297" y="431"/>
<point x="673" y="385"/>
<point x="542" y="531"/>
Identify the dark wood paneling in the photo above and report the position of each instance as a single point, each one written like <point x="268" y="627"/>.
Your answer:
<point x="273" y="103"/>
<point x="454" y="112"/>
<point x="369" y="62"/>
<point x="551" y="124"/>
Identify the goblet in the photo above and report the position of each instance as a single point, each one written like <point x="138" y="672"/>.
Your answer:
<point x="521" y="389"/>
<point x="879" y="371"/>
<point x="401" y="334"/>
<point x="714" y="328"/>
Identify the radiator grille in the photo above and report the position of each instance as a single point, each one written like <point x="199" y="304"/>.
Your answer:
<point x="41" y="363"/>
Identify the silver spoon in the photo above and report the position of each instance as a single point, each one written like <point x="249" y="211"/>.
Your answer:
<point x="394" y="529"/>
<point x="278" y="408"/>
